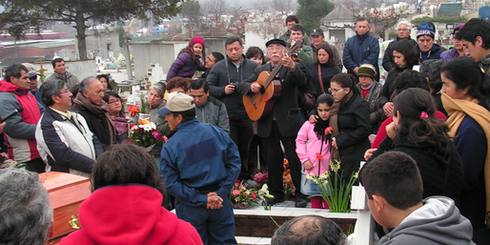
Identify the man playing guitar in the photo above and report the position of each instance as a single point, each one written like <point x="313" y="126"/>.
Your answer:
<point x="283" y="121"/>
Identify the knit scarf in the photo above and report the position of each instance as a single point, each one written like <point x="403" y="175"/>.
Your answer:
<point x="97" y="110"/>
<point x="457" y="110"/>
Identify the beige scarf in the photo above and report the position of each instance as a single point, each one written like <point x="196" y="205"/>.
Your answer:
<point x="457" y="110"/>
<point x="334" y="121"/>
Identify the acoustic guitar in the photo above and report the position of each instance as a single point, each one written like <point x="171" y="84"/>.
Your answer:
<point x="260" y="104"/>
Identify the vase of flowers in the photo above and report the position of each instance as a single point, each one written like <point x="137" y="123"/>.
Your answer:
<point x="335" y="190"/>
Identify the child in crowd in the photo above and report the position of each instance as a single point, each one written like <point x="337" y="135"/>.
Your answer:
<point x="189" y="60"/>
<point x="313" y="149"/>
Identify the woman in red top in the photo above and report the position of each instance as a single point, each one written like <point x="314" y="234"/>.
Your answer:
<point x="126" y="204"/>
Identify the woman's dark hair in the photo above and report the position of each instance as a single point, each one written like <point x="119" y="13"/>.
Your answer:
<point x="431" y="69"/>
<point x="346" y="80"/>
<point x="106" y="76"/>
<point x="178" y="82"/>
<point x="466" y="74"/>
<point x="409" y="51"/>
<point x="255" y="52"/>
<point x="329" y="51"/>
<point x="110" y="93"/>
<point x="409" y="79"/>
<point x="125" y="164"/>
<point x="418" y="124"/>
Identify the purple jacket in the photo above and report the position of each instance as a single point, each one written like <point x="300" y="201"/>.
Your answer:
<point x="449" y="55"/>
<point x="183" y="66"/>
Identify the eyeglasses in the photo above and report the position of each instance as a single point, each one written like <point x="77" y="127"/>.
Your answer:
<point x="333" y="91"/>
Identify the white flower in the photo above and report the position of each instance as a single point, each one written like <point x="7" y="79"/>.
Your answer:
<point x="264" y="192"/>
<point x="148" y="127"/>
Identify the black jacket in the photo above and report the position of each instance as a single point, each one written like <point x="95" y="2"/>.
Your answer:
<point x="313" y="79"/>
<point x="286" y="110"/>
<point x="388" y="62"/>
<point x="442" y="174"/>
<point x="434" y="53"/>
<point x="218" y="78"/>
<point x="354" y="129"/>
<point x="99" y="124"/>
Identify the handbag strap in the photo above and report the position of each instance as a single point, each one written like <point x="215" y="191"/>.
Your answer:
<point x="320" y="80"/>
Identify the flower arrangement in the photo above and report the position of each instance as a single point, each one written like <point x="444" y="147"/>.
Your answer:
<point x="287" y="180"/>
<point x="335" y="191"/>
<point x="145" y="134"/>
<point x="244" y="197"/>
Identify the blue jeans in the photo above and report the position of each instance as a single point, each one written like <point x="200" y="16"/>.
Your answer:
<point x="215" y="226"/>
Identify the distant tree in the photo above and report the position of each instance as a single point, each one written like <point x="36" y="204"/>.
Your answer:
<point x="191" y="10"/>
<point x="20" y="16"/>
<point x="310" y="12"/>
<point x="214" y="7"/>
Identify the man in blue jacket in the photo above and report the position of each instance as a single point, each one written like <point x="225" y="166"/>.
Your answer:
<point x="199" y="165"/>
<point x="361" y="48"/>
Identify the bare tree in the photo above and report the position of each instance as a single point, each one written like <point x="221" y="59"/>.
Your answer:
<point x="214" y="7"/>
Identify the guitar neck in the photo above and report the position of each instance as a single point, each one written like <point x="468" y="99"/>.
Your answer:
<point x="272" y="75"/>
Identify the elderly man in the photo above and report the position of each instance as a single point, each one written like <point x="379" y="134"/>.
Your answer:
<point x="64" y="139"/>
<point x="92" y="107"/>
<point x="282" y="124"/>
<point x="60" y="73"/>
<point x="361" y="48"/>
<point x="208" y="109"/>
<point x="199" y="164"/>
<point x="428" y="49"/>
<point x="25" y="212"/>
<point x="308" y="229"/>
<point x="403" y="30"/>
<point x="20" y="128"/>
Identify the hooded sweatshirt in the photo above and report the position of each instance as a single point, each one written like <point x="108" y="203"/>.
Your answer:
<point x="130" y="215"/>
<point x="437" y="222"/>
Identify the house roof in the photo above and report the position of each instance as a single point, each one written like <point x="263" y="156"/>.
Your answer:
<point x="340" y="14"/>
<point x="450" y="9"/>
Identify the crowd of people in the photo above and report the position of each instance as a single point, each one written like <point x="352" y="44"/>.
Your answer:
<point x="424" y="133"/>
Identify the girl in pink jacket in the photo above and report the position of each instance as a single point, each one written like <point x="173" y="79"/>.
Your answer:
<point x="313" y="149"/>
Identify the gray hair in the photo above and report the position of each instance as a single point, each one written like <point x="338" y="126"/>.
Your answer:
<point x="85" y="83"/>
<point x="51" y="88"/>
<point x="404" y="22"/>
<point x="159" y="88"/>
<point x="24" y="208"/>
<point x="309" y="230"/>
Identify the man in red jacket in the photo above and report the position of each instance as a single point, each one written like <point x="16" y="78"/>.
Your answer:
<point x="20" y="128"/>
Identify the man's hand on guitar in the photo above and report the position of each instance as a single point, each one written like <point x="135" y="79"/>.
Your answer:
<point x="288" y="62"/>
<point x="229" y="89"/>
<point x="255" y="87"/>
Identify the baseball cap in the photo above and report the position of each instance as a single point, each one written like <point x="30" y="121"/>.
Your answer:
<point x="32" y="74"/>
<point x="317" y="32"/>
<point x="177" y="102"/>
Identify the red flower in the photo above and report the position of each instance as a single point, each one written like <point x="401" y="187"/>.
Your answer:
<point x="254" y="196"/>
<point x="165" y="138"/>
<point x="328" y="131"/>
<point x="133" y="110"/>
<point x="319" y="156"/>
<point x="156" y="135"/>
<point x="235" y="192"/>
